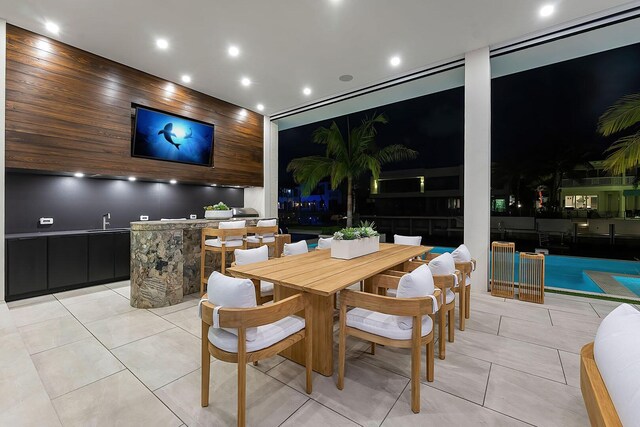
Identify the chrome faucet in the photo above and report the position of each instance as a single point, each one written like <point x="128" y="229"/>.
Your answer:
<point x="105" y="217"/>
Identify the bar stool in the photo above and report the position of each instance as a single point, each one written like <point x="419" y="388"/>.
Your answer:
<point x="263" y="234"/>
<point x="229" y="236"/>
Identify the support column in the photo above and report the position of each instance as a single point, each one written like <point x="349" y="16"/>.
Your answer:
<point x="477" y="162"/>
<point x="265" y="199"/>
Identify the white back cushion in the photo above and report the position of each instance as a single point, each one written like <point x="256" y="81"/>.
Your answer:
<point x="232" y="224"/>
<point x="418" y="283"/>
<point x="443" y="265"/>
<point x="249" y="256"/>
<point x="296" y="248"/>
<point x="617" y="354"/>
<point x="407" y="240"/>
<point x="230" y="292"/>
<point x="325" y="243"/>
<point x="266" y="223"/>
<point x="461" y="254"/>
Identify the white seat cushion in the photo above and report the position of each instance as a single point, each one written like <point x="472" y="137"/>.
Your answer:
<point x="324" y="243"/>
<point x="296" y="248"/>
<point x="217" y="243"/>
<point x="265" y="239"/>
<point x="418" y="283"/>
<point x="229" y="292"/>
<point x="266" y="223"/>
<point x="407" y="240"/>
<point x="266" y="288"/>
<point x="250" y="256"/>
<point x="392" y="292"/>
<point x="266" y="335"/>
<point x="384" y="325"/>
<point x="450" y="296"/>
<point x="467" y="281"/>
<point x="617" y="355"/>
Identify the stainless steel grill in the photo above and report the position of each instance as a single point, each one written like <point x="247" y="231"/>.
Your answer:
<point x="244" y="213"/>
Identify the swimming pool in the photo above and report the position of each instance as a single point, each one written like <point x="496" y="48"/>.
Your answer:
<point x="568" y="272"/>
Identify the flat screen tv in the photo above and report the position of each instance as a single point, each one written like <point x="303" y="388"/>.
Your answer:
<point x="162" y="136"/>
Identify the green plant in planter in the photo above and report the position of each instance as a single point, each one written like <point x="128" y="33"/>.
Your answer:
<point x="217" y="207"/>
<point x="366" y="229"/>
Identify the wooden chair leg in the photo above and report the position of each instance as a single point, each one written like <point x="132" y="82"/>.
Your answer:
<point x="441" y="339"/>
<point x="242" y="392"/>
<point x="223" y="262"/>
<point x="430" y="361"/>
<point x="462" y="307"/>
<point x="203" y="258"/>
<point x="206" y="367"/>
<point x="373" y="348"/>
<point x="308" y="356"/>
<point x="415" y="376"/>
<point x="468" y="301"/>
<point x="452" y="322"/>
<point x="342" y="348"/>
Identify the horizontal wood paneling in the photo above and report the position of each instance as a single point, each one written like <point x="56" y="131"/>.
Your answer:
<point x="70" y="110"/>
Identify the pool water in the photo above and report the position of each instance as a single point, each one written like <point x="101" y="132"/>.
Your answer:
<point x="568" y="272"/>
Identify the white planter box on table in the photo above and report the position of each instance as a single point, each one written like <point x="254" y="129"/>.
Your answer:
<point x="348" y="249"/>
<point x="213" y="214"/>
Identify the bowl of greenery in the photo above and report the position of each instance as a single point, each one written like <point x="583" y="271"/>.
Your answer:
<point x="217" y="211"/>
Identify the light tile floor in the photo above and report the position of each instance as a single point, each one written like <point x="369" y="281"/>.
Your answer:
<point x="87" y="358"/>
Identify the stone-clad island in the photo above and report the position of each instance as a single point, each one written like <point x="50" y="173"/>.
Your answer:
<point x="165" y="260"/>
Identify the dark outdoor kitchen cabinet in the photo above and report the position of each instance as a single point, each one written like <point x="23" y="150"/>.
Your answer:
<point x="122" y="243"/>
<point x="68" y="261"/>
<point x="26" y="266"/>
<point x="101" y="257"/>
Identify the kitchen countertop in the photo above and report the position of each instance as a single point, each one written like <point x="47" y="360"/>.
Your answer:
<point x="185" y="223"/>
<point x="63" y="233"/>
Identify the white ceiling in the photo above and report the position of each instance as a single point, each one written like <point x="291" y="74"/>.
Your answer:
<point x="288" y="44"/>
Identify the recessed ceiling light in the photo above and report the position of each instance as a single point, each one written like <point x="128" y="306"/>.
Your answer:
<point x="306" y="91"/>
<point x="245" y="81"/>
<point x="547" y="10"/>
<point x="345" y="78"/>
<point x="132" y="178"/>
<point x="162" y="44"/>
<point x="395" y="61"/>
<point x="173" y="181"/>
<point x="260" y="107"/>
<point x="78" y="174"/>
<point x="186" y="78"/>
<point x="52" y="27"/>
<point x="233" y="51"/>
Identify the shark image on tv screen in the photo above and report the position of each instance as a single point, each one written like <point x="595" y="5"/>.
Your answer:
<point x="163" y="136"/>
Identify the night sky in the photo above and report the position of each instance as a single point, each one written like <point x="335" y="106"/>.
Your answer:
<point x="538" y="114"/>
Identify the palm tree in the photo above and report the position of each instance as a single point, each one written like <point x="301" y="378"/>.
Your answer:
<point x="346" y="159"/>
<point x="625" y="152"/>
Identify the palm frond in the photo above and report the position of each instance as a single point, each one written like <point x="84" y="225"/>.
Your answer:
<point x="309" y="171"/>
<point x="621" y="115"/>
<point x="395" y="153"/>
<point x="625" y="154"/>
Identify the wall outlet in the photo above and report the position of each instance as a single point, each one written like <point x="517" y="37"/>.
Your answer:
<point x="193" y="216"/>
<point x="144" y="217"/>
<point x="46" y="221"/>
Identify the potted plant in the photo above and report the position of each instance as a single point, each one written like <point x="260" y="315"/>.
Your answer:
<point x="352" y="242"/>
<point x="217" y="211"/>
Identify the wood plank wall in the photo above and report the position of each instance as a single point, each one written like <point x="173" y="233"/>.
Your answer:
<point x="69" y="110"/>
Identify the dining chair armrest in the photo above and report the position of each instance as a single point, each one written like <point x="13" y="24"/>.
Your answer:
<point x="444" y="282"/>
<point x="223" y="233"/>
<point x="264" y="314"/>
<point x="386" y="281"/>
<point x="389" y="305"/>
<point x="394" y="273"/>
<point x="465" y="267"/>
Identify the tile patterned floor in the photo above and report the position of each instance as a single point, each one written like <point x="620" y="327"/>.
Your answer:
<point x="86" y="357"/>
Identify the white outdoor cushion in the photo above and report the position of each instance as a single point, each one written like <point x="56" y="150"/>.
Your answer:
<point x="232" y="224"/>
<point x="461" y="254"/>
<point x="444" y="265"/>
<point x="617" y="355"/>
<point x="266" y="335"/>
<point x="418" y="283"/>
<point x="324" y="243"/>
<point x="229" y="292"/>
<point x="450" y="296"/>
<point x="384" y="325"/>
<point x="467" y="281"/>
<point x="218" y="243"/>
<point x="265" y="239"/>
<point x="407" y="240"/>
<point x="267" y="223"/>
<point x="296" y="248"/>
<point x="249" y="256"/>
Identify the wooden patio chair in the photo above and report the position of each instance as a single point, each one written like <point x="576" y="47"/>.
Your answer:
<point x="243" y="335"/>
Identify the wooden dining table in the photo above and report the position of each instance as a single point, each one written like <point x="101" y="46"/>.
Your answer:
<point x="322" y="277"/>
